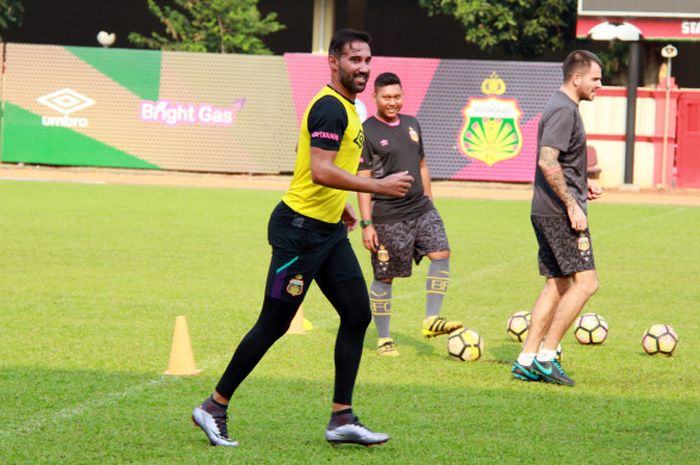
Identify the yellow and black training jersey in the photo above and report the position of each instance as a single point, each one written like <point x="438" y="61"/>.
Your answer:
<point x="330" y="122"/>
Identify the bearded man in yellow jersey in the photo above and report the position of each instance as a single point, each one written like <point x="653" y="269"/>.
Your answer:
<point x="308" y="234"/>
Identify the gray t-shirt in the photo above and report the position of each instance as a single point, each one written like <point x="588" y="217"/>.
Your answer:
<point x="561" y="127"/>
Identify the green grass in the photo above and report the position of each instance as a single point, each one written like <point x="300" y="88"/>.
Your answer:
<point x="93" y="276"/>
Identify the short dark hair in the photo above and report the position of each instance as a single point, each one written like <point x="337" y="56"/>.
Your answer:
<point x="342" y="37"/>
<point x="579" y="61"/>
<point x="386" y="79"/>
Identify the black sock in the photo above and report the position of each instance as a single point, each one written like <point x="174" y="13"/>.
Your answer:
<point x="342" y="412"/>
<point x="218" y="404"/>
<point x="341" y="417"/>
<point x="212" y="406"/>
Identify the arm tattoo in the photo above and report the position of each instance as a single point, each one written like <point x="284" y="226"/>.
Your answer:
<point x="551" y="169"/>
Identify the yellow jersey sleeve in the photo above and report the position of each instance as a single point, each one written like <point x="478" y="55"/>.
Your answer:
<point x="335" y="125"/>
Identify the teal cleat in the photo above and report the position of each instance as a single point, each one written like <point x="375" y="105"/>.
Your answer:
<point x="524" y="373"/>
<point x="551" y="372"/>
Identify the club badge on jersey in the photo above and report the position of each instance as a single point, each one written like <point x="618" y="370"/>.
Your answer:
<point x="413" y="134"/>
<point x="295" y="286"/>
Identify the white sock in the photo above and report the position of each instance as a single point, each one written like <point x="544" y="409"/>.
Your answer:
<point x="526" y="358"/>
<point x="545" y="355"/>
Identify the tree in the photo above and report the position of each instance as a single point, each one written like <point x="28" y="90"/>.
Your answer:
<point x="520" y="27"/>
<point x="10" y="13"/>
<point x="225" y="26"/>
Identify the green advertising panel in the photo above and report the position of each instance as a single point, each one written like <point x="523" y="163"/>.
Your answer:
<point x="147" y="109"/>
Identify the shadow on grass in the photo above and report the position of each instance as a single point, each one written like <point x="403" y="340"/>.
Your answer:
<point x="76" y="417"/>
<point x="421" y="345"/>
<point x="503" y="353"/>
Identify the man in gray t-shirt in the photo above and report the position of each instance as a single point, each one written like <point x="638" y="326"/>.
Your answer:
<point x="559" y="217"/>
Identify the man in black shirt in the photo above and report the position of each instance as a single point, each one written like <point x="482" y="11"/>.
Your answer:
<point x="397" y="230"/>
<point x="559" y="217"/>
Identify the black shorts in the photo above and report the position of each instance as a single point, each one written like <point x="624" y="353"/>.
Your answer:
<point x="304" y="249"/>
<point x="411" y="239"/>
<point x="563" y="251"/>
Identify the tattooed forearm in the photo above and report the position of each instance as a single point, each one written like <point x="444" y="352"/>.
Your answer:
<point x="551" y="169"/>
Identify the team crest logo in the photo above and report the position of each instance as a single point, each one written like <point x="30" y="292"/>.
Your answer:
<point x="583" y="243"/>
<point x="491" y="131"/>
<point x="413" y="134"/>
<point x="296" y="285"/>
<point x="383" y="257"/>
<point x="382" y="254"/>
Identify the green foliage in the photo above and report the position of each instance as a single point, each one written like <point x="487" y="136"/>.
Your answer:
<point x="93" y="276"/>
<point x="10" y="13"/>
<point x="225" y="26"/>
<point x="615" y="58"/>
<point x="520" y="27"/>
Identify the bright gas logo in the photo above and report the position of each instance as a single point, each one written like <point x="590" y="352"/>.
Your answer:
<point x="66" y="101"/>
<point x="172" y="114"/>
<point x="491" y="131"/>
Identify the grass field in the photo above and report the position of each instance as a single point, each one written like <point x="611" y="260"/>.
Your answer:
<point x="93" y="276"/>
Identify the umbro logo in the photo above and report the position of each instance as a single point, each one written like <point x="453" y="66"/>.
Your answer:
<point x="66" y="101"/>
<point x="359" y="139"/>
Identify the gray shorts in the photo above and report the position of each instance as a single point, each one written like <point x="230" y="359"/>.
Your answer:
<point x="563" y="251"/>
<point x="401" y="242"/>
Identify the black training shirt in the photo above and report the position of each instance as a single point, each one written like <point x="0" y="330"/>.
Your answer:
<point x="391" y="149"/>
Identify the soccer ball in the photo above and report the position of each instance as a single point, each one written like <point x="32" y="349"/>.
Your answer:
<point x="560" y="351"/>
<point x="518" y="325"/>
<point x="660" y="339"/>
<point x="591" y="328"/>
<point x="465" y="344"/>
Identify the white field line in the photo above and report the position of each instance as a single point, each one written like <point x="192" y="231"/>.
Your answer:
<point x="90" y="404"/>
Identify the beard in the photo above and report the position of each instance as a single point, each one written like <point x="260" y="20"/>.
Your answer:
<point x="348" y="81"/>
<point x="587" y="95"/>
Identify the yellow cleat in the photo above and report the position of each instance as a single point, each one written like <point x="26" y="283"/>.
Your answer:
<point x="386" y="347"/>
<point x="437" y="325"/>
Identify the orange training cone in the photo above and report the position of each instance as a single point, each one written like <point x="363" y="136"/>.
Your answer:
<point x="181" y="356"/>
<point x="299" y="324"/>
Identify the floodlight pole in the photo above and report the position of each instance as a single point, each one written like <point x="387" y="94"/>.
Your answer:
<point x="667" y="52"/>
<point x="632" y="84"/>
<point x="627" y="33"/>
<point x="667" y="105"/>
<point x="324" y="14"/>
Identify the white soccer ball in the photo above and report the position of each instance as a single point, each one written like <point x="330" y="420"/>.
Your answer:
<point x="660" y="339"/>
<point x="465" y="344"/>
<point x="518" y="325"/>
<point x="591" y="328"/>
